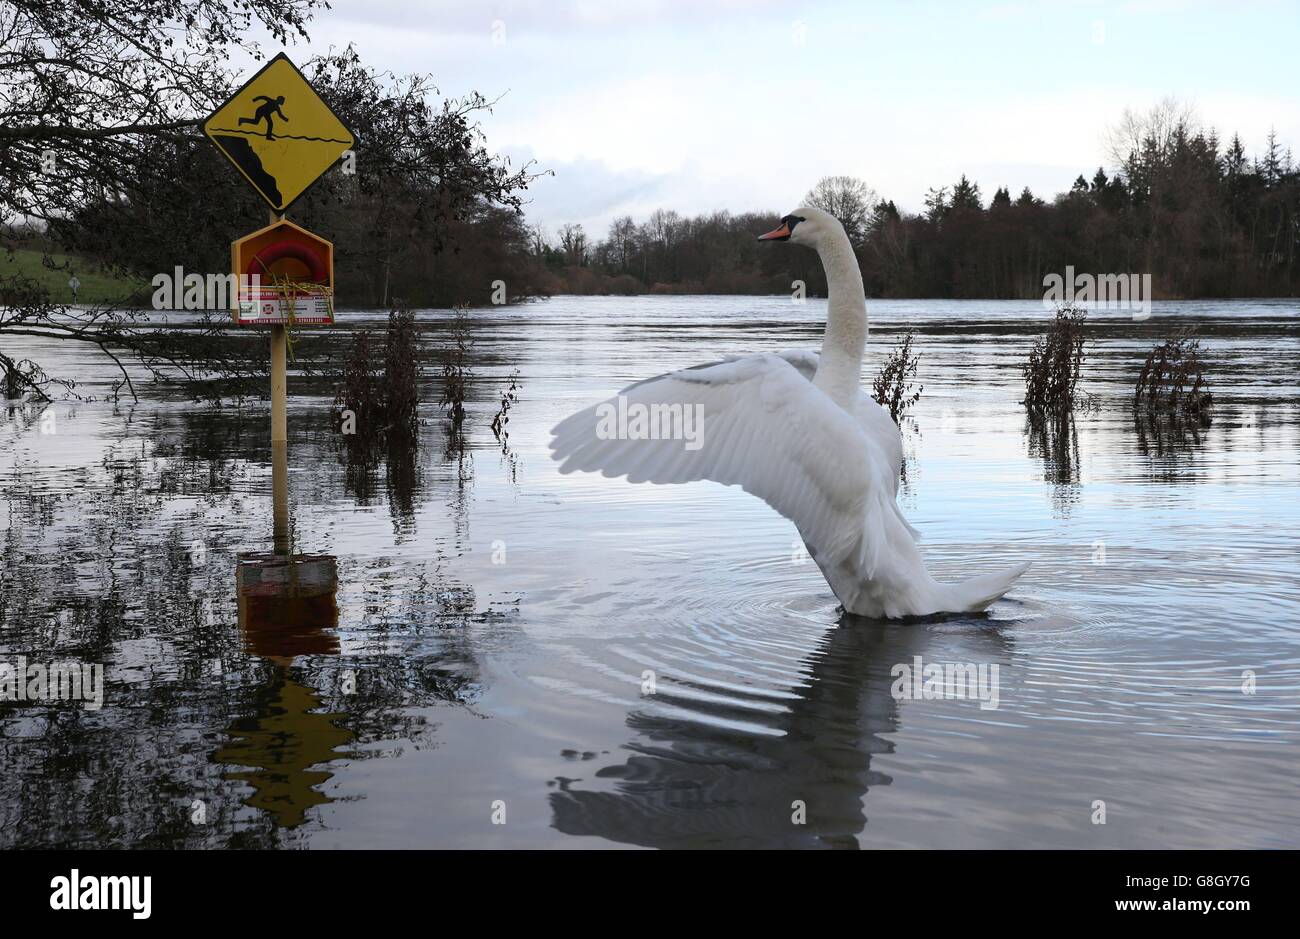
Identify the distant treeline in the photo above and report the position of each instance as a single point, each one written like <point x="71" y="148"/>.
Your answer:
<point x="1203" y="219"/>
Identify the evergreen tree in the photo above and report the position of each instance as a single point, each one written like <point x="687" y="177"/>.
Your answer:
<point x="966" y="195"/>
<point x="937" y="205"/>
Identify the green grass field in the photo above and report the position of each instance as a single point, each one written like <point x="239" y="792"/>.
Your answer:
<point x="96" y="286"/>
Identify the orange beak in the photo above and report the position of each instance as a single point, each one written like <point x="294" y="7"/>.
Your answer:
<point x="779" y="233"/>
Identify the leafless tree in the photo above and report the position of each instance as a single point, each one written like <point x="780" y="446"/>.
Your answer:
<point x="849" y="199"/>
<point x="82" y="80"/>
<point x="573" y="242"/>
<point x="1158" y="128"/>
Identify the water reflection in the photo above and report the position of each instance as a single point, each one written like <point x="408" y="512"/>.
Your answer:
<point x="1162" y="436"/>
<point x="233" y="701"/>
<point x="287" y="608"/>
<point x="282" y="743"/>
<point x="458" y="454"/>
<point x="402" y="476"/>
<point x="118" y="543"/>
<point x="1054" y="440"/>
<point x="695" y="783"/>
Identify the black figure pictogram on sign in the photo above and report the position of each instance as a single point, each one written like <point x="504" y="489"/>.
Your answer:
<point x="264" y="112"/>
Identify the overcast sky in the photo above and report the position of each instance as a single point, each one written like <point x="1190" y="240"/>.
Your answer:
<point x="711" y="104"/>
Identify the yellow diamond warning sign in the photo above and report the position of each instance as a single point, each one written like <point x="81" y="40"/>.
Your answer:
<point x="278" y="132"/>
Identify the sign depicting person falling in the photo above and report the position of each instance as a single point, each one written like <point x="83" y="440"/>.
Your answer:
<point x="279" y="133"/>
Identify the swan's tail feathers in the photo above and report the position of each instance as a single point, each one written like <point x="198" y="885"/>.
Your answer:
<point x="978" y="593"/>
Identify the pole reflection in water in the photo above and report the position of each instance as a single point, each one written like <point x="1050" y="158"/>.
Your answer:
<point x="287" y="608"/>
<point x="280" y="496"/>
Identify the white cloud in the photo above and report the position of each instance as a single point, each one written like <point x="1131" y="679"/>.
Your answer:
<point x="552" y="17"/>
<point x="708" y="104"/>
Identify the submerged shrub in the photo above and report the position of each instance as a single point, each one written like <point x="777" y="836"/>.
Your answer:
<point x="456" y="372"/>
<point x="401" y="377"/>
<point x="378" y="400"/>
<point x="508" y="399"/>
<point x="23" y="376"/>
<point x="359" y="402"/>
<point x="1172" y="381"/>
<point x="892" y="387"/>
<point x="1052" y="370"/>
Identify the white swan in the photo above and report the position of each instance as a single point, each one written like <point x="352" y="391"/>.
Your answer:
<point x="797" y="431"/>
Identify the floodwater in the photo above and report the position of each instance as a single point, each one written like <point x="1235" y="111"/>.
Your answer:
<point x="498" y="624"/>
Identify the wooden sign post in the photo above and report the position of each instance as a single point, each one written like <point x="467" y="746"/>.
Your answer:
<point x="279" y="431"/>
<point x="279" y="374"/>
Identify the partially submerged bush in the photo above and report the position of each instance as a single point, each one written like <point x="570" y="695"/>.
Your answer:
<point x="508" y="399"/>
<point x="456" y="372"/>
<point x="23" y="376"/>
<point x="1052" y="370"/>
<point x="359" y="403"/>
<point x="1172" y="380"/>
<point x="892" y="387"/>
<point x="378" y="402"/>
<point x="401" y="377"/>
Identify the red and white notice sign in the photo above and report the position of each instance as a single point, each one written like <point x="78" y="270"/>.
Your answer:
<point x="272" y="308"/>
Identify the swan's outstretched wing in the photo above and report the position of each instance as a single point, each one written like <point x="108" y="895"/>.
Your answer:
<point x="762" y="426"/>
<point x="805" y="360"/>
<point x="874" y="419"/>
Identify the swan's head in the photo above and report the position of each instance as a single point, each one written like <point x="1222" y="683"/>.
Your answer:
<point x="805" y="226"/>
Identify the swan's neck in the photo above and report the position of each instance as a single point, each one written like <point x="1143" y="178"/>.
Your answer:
<point x="840" y="368"/>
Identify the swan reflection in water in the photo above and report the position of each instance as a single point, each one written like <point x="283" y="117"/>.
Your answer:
<point x="698" y="784"/>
